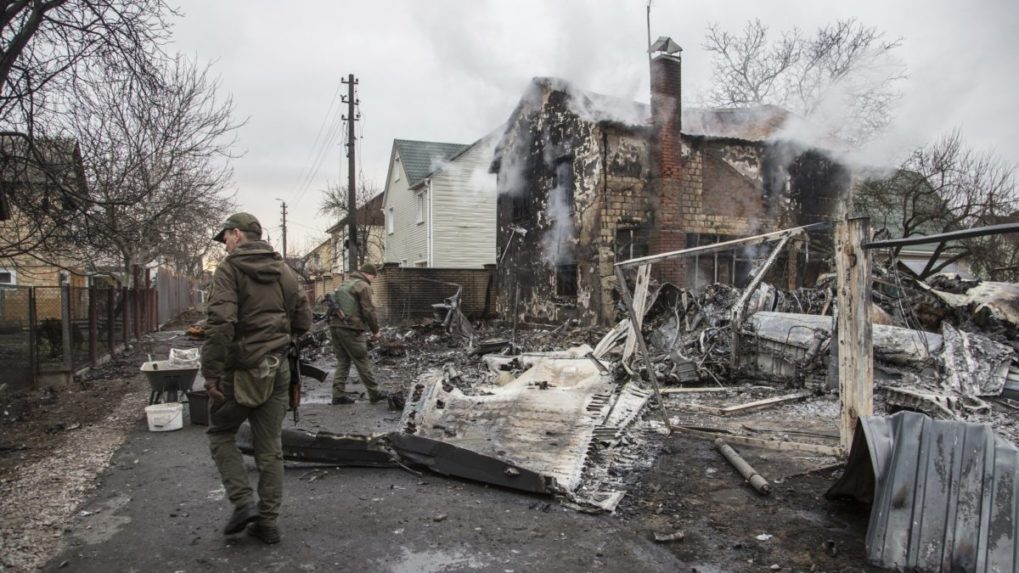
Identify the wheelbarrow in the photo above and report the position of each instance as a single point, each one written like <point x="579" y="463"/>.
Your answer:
<point x="169" y="379"/>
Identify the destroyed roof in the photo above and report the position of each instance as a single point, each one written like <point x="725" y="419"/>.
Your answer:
<point x="420" y="158"/>
<point x="757" y="123"/>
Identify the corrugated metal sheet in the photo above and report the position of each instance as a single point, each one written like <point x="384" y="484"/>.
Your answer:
<point x="944" y="494"/>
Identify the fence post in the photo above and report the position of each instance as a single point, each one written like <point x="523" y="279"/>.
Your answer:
<point x="33" y="338"/>
<point x="93" y="324"/>
<point x="136" y="318"/>
<point x="856" y="352"/>
<point x="65" y="325"/>
<point x="123" y="314"/>
<point x="111" y="316"/>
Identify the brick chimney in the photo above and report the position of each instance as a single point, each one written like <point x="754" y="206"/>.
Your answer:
<point x="666" y="158"/>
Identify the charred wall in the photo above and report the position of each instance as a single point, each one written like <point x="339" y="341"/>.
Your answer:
<point x="544" y="200"/>
<point x="553" y="269"/>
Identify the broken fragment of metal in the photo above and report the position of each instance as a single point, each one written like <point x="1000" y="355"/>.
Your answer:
<point x="938" y="405"/>
<point x="974" y="365"/>
<point x="746" y="470"/>
<point x="544" y="424"/>
<point x="451" y="460"/>
<point x="328" y="448"/>
<point x="782" y="344"/>
<point x="943" y="494"/>
<point x="999" y="300"/>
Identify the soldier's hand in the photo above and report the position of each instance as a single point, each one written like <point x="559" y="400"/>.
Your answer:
<point x="212" y="387"/>
<point x="377" y="336"/>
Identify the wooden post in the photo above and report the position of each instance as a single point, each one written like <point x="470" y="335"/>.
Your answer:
<point x="65" y="326"/>
<point x="628" y="301"/>
<point x="93" y="324"/>
<point x="856" y="352"/>
<point x="110" y="318"/>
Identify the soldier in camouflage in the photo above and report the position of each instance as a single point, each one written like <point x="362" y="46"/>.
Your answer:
<point x="348" y="325"/>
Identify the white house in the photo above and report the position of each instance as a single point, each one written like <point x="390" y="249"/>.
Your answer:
<point x="440" y="204"/>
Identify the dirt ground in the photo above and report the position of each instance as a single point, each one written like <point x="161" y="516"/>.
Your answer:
<point x="85" y="487"/>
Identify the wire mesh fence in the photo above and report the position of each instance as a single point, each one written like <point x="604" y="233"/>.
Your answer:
<point x="16" y="337"/>
<point x="54" y="329"/>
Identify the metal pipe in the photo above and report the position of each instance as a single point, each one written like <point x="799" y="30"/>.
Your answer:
<point x="745" y="469"/>
<point x="940" y="237"/>
<point x="725" y="246"/>
<point x="737" y="311"/>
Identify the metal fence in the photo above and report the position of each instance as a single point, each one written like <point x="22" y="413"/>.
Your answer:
<point x="59" y="330"/>
<point x="177" y="295"/>
<point x="15" y="336"/>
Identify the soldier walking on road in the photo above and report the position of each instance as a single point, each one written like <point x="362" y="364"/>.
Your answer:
<point x="256" y="307"/>
<point x="354" y="316"/>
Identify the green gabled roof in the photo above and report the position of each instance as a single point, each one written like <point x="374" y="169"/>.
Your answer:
<point x="421" y="158"/>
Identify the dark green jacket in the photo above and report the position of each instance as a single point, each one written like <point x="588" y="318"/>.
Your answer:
<point x="354" y="297"/>
<point x="255" y="306"/>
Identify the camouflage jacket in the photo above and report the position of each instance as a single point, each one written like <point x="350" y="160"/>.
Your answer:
<point x="255" y="306"/>
<point x="356" y="308"/>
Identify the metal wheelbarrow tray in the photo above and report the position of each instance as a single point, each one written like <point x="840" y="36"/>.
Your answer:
<point x="163" y="377"/>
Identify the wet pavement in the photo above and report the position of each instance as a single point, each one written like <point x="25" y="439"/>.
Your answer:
<point x="160" y="507"/>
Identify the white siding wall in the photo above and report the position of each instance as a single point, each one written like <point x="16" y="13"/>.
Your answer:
<point x="409" y="239"/>
<point x="464" y="196"/>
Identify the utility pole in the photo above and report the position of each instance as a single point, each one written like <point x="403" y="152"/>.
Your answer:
<point x="350" y="118"/>
<point x="283" y="210"/>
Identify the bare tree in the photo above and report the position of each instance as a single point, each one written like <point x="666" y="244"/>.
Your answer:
<point x="47" y="44"/>
<point x="369" y="218"/>
<point x="156" y="156"/>
<point x="945" y="186"/>
<point x="49" y="51"/>
<point x="845" y="70"/>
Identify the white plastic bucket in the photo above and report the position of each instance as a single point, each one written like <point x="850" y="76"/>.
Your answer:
<point x="165" y="417"/>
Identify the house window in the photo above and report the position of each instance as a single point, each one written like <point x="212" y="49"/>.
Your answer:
<point x="563" y="182"/>
<point x="389" y="221"/>
<point x="631" y="243"/>
<point x="521" y="207"/>
<point x="421" y="207"/>
<point x="730" y="267"/>
<point x="421" y="263"/>
<point x="8" y="277"/>
<point x="566" y="281"/>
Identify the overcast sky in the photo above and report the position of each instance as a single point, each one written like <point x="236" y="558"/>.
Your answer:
<point x="452" y="71"/>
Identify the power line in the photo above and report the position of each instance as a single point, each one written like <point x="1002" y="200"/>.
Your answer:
<point x="323" y="152"/>
<point x="318" y="136"/>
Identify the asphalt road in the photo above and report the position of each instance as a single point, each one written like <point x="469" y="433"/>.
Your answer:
<point x="160" y="507"/>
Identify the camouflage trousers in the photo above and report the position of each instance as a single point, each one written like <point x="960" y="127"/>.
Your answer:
<point x="266" y="423"/>
<point x="351" y="348"/>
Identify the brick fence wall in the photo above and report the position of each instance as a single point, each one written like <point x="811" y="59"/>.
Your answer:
<point x="406" y="294"/>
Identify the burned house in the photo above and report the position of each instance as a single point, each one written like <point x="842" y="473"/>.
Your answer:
<point x="586" y="180"/>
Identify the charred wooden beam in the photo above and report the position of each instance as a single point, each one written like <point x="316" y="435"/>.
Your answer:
<point x="855" y="337"/>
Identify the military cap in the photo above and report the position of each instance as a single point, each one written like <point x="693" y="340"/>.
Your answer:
<point x="242" y="221"/>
